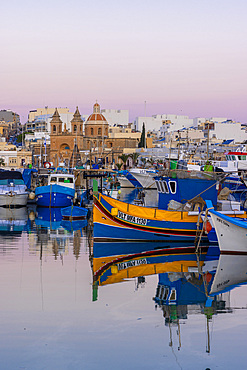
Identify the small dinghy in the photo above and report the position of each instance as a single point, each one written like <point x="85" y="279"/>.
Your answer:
<point x="74" y="213"/>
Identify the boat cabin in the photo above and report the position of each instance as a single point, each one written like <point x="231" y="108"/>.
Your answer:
<point x="11" y="178"/>
<point x="62" y="179"/>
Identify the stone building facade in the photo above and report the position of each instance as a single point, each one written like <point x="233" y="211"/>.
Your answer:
<point x="93" y="144"/>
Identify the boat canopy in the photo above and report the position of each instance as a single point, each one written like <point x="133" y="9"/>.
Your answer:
<point x="6" y="175"/>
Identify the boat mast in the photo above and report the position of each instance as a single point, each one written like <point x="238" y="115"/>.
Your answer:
<point x="208" y="143"/>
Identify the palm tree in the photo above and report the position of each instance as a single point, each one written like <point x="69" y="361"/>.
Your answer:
<point x="151" y="161"/>
<point x="119" y="165"/>
<point x="144" y="161"/>
<point x="134" y="157"/>
<point x="124" y="158"/>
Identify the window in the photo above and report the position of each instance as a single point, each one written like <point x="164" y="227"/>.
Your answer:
<point x="162" y="291"/>
<point x="99" y="131"/>
<point x="54" y="128"/>
<point x="173" y="186"/>
<point x="166" y="190"/>
<point x="92" y="131"/>
<point x="173" y="295"/>
<point x="53" y="179"/>
<point x="162" y="187"/>
<point x="166" y="294"/>
<point x="158" y="186"/>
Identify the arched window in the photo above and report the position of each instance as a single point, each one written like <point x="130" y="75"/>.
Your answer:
<point x="99" y="131"/>
<point x="54" y="128"/>
<point x="92" y="131"/>
<point x="75" y="128"/>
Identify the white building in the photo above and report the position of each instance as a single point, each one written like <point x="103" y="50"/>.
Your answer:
<point x="118" y="117"/>
<point x="115" y="117"/>
<point x="198" y="121"/>
<point x="163" y="123"/>
<point x="228" y="130"/>
<point x="40" y="120"/>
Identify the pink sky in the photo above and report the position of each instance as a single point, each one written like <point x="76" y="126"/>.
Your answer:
<point x="180" y="57"/>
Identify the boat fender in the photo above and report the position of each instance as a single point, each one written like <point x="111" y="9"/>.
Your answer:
<point x="207" y="277"/>
<point x="114" y="269"/>
<point x="31" y="195"/>
<point x="114" y="211"/>
<point x="207" y="227"/>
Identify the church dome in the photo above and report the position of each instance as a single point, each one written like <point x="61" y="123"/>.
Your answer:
<point x="96" y="115"/>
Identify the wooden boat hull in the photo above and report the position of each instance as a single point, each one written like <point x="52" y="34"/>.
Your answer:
<point x="231" y="233"/>
<point x="74" y="213"/>
<point x="117" y="221"/>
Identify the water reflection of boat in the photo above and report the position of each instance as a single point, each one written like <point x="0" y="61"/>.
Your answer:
<point x="13" y="220"/>
<point x="231" y="271"/>
<point x="48" y="217"/>
<point x="111" y="265"/>
<point x="206" y="291"/>
<point x="51" y="218"/>
<point x="74" y="225"/>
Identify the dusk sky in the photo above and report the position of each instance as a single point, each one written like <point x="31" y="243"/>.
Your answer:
<point x="181" y="57"/>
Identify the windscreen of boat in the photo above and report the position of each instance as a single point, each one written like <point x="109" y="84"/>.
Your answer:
<point x="67" y="180"/>
<point x="12" y="181"/>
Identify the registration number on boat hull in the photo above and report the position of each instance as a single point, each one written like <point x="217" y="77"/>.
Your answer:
<point x="132" y="219"/>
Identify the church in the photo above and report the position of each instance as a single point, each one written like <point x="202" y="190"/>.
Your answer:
<point x="94" y="144"/>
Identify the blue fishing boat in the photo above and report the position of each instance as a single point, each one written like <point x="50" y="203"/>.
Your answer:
<point x="74" y="213"/>
<point x="59" y="192"/>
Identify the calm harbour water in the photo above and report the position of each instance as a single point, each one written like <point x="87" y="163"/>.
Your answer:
<point x="57" y="314"/>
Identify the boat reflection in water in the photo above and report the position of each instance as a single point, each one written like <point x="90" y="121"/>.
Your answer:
<point x="207" y="292"/>
<point x="13" y="221"/>
<point x="55" y="234"/>
<point x="187" y="283"/>
<point x="115" y="262"/>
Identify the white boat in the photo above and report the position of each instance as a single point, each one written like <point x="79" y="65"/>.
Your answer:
<point x="138" y="177"/>
<point x="230" y="166"/>
<point x="240" y="157"/>
<point x="124" y="182"/>
<point x="13" y="191"/>
<point x="144" y="177"/>
<point x="231" y="232"/>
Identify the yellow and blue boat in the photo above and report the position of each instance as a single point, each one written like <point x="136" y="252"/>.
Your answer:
<point x="115" y="220"/>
